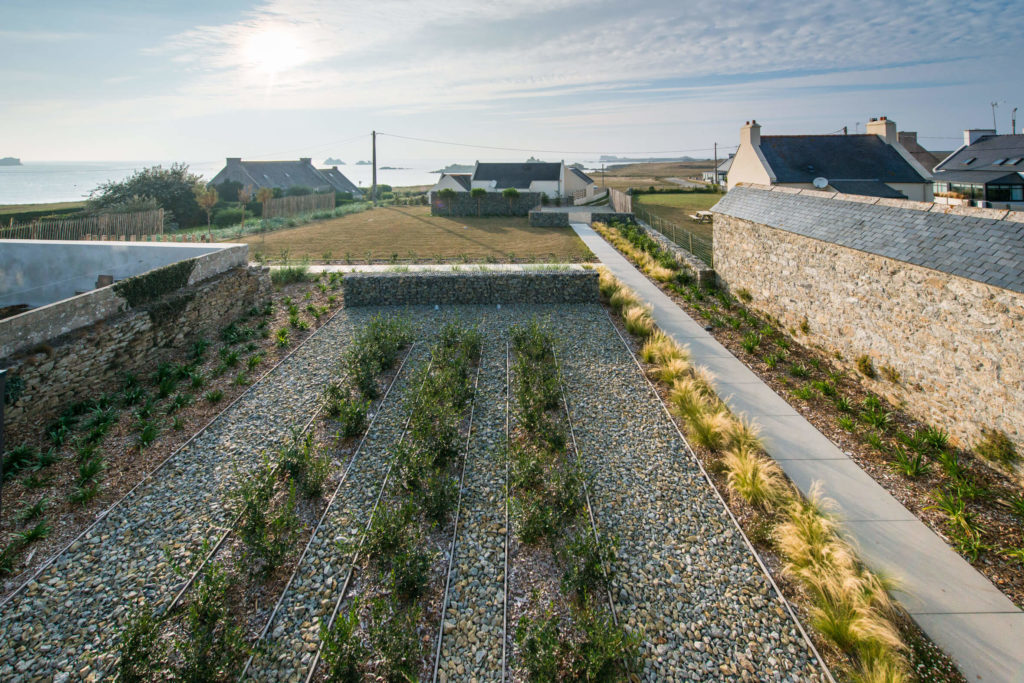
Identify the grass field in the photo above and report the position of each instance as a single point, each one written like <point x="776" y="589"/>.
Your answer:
<point x="409" y="234"/>
<point x="678" y="207"/>
<point x="644" y="175"/>
<point x="55" y="206"/>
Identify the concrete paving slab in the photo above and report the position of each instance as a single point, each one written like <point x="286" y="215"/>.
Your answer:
<point x="785" y="440"/>
<point x="753" y="399"/>
<point x="978" y="643"/>
<point x="901" y="551"/>
<point x="857" y="496"/>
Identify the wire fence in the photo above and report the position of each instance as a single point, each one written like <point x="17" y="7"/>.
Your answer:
<point x="700" y="246"/>
<point x="107" y="225"/>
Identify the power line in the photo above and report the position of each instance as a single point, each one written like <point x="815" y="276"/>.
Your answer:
<point x="541" y="151"/>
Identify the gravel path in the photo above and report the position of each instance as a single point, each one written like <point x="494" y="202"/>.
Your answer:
<point x="68" y="618"/>
<point x="292" y="639"/>
<point x="472" y="633"/>
<point x="686" y="580"/>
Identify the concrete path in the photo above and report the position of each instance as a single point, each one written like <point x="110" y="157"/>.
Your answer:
<point x="953" y="603"/>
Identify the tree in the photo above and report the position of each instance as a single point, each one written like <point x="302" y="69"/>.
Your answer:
<point x="264" y="195"/>
<point x="244" y="196"/>
<point x="511" y="194"/>
<point x="172" y="188"/>
<point x="448" y="195"/>
<point x="478" y="193"/>
<point x="207" y="198"/>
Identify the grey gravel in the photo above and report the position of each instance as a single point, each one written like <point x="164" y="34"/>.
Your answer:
<point x="68" y="618"/>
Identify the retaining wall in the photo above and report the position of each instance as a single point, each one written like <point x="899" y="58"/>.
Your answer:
<point x="955" y="342"/>
<point x="702" y="272"/>
<point x="575" y="285"/>
<point x="549" y="219"/>
<point x="491" y="204"/>
<point x="130" y="331"/>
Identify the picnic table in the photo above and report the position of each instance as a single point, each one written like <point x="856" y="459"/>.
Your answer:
<point x="701" y="216"/>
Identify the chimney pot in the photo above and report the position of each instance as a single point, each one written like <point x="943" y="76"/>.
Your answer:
<point x="884" y="118"/>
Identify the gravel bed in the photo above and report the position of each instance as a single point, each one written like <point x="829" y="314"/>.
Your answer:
<point x="292" y="639"/>
<point x="472" y="632"/>
<point x="68" y="618"/>
<point x="686" y="581"/>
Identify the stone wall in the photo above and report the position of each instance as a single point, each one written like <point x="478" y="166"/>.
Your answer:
<point x="92" y="359"/>
<point x="702" y="272"/>
<point x="955" y="342"/>
<point x="491" y="204"/>
<point x="549" y="219"/>
<point x="523" y="286"/>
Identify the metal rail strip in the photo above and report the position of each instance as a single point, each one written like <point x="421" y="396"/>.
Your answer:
<point x="508" y="530"/>
<point x="362" y="539"/>
<point x="455" y="531"/>
<point x="327" y="508"/>
<point x="735" y="522"/>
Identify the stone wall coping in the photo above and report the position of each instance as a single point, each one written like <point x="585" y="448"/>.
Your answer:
<point x="929" y="207"/>
<point x="39" y="325"/>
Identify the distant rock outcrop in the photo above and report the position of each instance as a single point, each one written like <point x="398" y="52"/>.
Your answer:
<point x="331" y="161"/>
<point x="10" y="161"/>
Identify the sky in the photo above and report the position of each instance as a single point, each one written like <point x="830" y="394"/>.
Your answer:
<point x="572" y="79"/>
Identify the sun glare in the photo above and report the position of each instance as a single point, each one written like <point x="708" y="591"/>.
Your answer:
<point x="272" y="51"/>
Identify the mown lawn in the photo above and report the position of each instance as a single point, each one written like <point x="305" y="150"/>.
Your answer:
<point x="678" y="207"/>
<point x="406" y="234"/>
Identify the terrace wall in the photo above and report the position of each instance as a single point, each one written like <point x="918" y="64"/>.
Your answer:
<point x="549" y="219"/>
<point x="491" y="204"/>
<point x="130" y="329"/>
<point x="573" y="285"/>
<point x="954" y="340"/>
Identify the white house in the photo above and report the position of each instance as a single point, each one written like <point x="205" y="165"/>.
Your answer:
<point x="554" y="179"/>
<point x="718" y="176"/>
<point x="874" y="164"/>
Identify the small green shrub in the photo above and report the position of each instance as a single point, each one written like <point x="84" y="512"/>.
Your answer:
<point x="267" y="531"/>
<point x="891" y="374"/>
<point x="305" y="464"/>
<point x="213" y="647"/>
<point x="910" y="465"/>
<point x="866" y="367"/>
<point x="996" y="447"/>
<point x="287" y="275"/>
<point x="140" y="647"/>
<point x="148" y="431"/>
<point x="214" y="396"/>
<point x="751" y="341"/>
<point x="282" y="337"/>
<point x="32" y="511"/>
<point x="350" y="412"/>
<point x="343" y="652"/>
<point x="585" y="559"/>
<point x="395" y="640"/>
<point x="846" y="423"/>
<point x="410" y="571"/>
<point x="799" y="371"/>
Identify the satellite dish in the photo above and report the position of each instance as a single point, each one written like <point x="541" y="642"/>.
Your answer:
<point x="820" y="183"/>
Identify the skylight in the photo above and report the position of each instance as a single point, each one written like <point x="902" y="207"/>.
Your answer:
<point x="999" y="162"/>
<point x="970" y="161"/>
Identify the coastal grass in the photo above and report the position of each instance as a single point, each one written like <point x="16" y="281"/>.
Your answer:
<point x="848" y="604"/>
<point x="404" y="234"/>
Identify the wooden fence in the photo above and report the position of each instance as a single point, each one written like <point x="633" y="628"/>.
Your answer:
<point x="620" y="201"/>
<point x="289" y="206"/>
<point x="112" y="226"/>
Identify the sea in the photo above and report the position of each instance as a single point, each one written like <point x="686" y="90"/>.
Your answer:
<point x="36" y="182"/>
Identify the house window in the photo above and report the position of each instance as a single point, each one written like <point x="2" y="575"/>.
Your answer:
<point x="968" y="190"/>
<point x="1006" y="193"/>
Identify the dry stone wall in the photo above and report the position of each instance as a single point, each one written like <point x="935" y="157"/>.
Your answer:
<point x="956" y="343"/>
<point x="491" y="204"/>
<point x="90" y="360"/>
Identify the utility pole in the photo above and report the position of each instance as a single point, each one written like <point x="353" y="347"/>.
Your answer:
<point x="714" y="174"/>
<point x="373" y="190"/>
<point x="994" y="127"/>
<point x="1013" y="121"/>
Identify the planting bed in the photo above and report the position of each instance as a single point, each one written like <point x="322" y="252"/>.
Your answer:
<point x="690" y="598"/>
<point x="972" y="504"/>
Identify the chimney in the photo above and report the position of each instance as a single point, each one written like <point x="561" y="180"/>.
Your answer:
<point x="750" y="134"/>
<point x="972" y="135"/>
<point x="908" y="137"/>
<point x="234" y="160"/>
<point x="306" y="160"/>
<point x="883" y="128"/>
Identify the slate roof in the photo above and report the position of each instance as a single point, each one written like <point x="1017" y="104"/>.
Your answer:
<point x="463" y="179"/>
<point x="582" y="176"/>
<point x="868" y="188"/>
<point x="339" y="181"/>
<point x="980" y="249"/>
<point x="986" y="151"/>
<point x="979" y="176"/>
<point x="518" y="176"/>
<point x="283" y="174"/>
<point x="802" y="158"/>
<point x="725" y="165"/>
